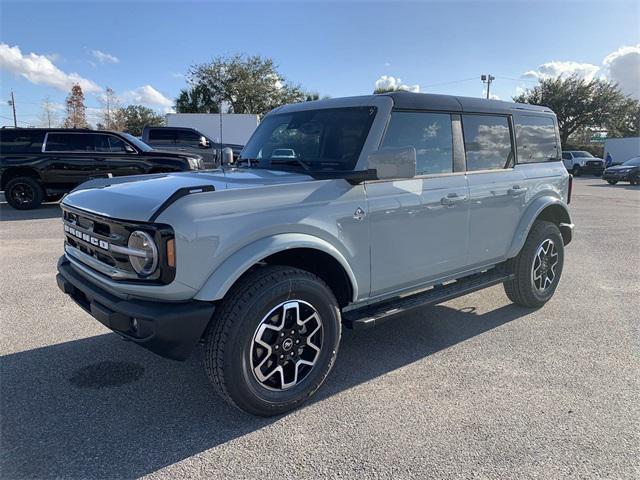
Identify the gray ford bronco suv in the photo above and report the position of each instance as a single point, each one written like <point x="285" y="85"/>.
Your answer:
<point x="382" y="203"/>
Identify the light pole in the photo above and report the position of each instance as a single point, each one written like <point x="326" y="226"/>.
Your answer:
<point x="487" y="79"/>
<point x="12" y="102"/>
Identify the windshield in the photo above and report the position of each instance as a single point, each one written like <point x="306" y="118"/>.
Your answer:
<point x="137" y="142"/>
<point x="582" y="154"/>
<point x="634" y="162"/>
<point x="315" y="140"/>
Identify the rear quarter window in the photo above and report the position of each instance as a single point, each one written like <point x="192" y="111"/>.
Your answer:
<point x="536" y="139"/>
<point x="20" y="141"/>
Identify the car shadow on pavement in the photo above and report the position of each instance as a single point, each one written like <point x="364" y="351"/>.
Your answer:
<point x="47" y="210"/>
<point x="104" y="408"/>
<point x="625" y="186"/>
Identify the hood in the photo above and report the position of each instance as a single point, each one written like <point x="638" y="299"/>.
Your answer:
<point x="620" y="167"/>
<point x="138" y="198"/>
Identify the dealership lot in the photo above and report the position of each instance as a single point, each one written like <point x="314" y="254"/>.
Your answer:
<point x="475" y="387"/>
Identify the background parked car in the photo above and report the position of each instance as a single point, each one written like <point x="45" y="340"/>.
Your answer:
<point x="38" y="164"/>
<point x="578" y="162"/>
<point x="188" y="140"/>
<point x="629" y="171"/>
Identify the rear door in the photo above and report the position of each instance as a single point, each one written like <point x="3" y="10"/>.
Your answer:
<point x="419" y="226"/>
<point x="497" y="190"/>
<point x="71" y="157"/>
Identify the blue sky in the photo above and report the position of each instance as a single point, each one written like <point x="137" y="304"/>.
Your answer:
<point x="142" y="49"/>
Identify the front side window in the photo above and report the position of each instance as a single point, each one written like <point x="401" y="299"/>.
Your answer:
<point x="429" y="133"/>
<point x="566" y="156"/>
<point x="536" y="138"/>
<point x="110" y="144"/>
<point x="70" y="142"/>
<point x="312" y="140"/>
<point x="487" y="142"/>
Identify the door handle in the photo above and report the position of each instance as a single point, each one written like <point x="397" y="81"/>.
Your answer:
<point x="453" y="198"/>
<point x="517" y="190"/>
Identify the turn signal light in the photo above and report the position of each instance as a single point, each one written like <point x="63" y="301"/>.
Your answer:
<point x="171" y="253"/>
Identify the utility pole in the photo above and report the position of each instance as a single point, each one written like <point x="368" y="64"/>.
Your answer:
<point x="12" y="102"/>
<point x="487" y="79"/>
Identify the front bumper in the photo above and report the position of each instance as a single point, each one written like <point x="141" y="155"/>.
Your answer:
<point x="595" y="169"/>
<point x="620" y="177"/>
<point x="170" y="330"/>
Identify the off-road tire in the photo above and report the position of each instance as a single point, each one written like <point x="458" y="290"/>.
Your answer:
<point x="27" y="187"/>
<point x="521" y="289"/>
<point x="230" y="336"/>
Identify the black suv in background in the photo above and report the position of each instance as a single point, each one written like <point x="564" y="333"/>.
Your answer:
<point x="38" y="164"/>
<point x="188" y="140"/>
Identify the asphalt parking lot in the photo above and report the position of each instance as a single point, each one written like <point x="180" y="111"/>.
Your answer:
<point x="473" y="388"/>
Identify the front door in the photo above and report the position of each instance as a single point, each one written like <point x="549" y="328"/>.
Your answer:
<point x="419" y="226"/>
<point x="114" y="156"/>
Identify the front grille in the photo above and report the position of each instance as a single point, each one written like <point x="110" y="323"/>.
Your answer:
<point x="594" y="163"/>
<point x="94" y="240"/>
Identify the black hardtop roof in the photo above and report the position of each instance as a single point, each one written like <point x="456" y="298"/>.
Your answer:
<point x="431" y="101"/>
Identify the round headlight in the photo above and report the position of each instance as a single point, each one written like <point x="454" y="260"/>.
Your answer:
<point x="144" y="254"/>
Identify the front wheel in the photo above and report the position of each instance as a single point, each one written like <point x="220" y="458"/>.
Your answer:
<point x="537" y="267"/>
<point x="273" y="341"/>
<point x="576" y="171"/>
<point x="612" y="182"/>
<point x="24" y="193"/>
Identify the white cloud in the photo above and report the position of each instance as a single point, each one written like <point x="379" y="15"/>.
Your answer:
<point x="565" y="69"/>
<point x="104" y="57"/>
<point x="492" y="96"/>
<point x="147" y="95"/>
<point x="623" y="68"/>
<point x="389" y="82"/>
<point x="40" y="70"/>
<point x="177" y="75"/>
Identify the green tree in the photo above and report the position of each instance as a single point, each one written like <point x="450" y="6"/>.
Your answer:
<point x="578" y="103"/>
<point x="196" y="99"/>
<point x="136" y="117"/>
<point x="386" y="90"/>
<point x="626" y="121"/>
<point x="247" y="84"/>
<point x="76" y="110"/>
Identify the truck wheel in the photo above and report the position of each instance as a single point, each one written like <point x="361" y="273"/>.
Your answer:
<point x="576" y="171"/>
<point x="537" y="267"/>
<point x="273" y="340"/>
<point x="612" y="182"/>
<point x="23" y="193"/>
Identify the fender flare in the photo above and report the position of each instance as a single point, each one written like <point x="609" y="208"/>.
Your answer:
<point x="531" y="215"/>
<point x="234" y="266"/>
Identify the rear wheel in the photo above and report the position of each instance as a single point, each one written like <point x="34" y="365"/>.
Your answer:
<point x="537" y="267"/>
<point x="273" y="340"/>
<point x="612" y="182"/>
<point x="23" y="193"/>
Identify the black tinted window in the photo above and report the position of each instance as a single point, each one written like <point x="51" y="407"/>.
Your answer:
<point x="487" y="141"/>
<point x="536" y="138"/>
<point x="70" y="142"/>
<point x="162" y="134"/>
<point x="20" y="141"/>
<point x="429" y="133"/>
<point x="566" y="156"/>
<point x="187" y="137"/>
<point x="109" y="144"/>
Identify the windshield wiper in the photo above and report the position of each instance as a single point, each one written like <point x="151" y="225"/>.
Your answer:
<point x="290" y="161"/>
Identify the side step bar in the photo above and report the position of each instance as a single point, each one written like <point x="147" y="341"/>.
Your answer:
<point x="371" y="315"/>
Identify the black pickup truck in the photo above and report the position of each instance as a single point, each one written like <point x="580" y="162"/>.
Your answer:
<point x="42" y="164"/>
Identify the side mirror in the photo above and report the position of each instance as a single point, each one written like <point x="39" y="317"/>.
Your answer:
<point x="204" y="142"/>
<point x="129" y="149"/>
<point x="390" y="163"/>
<point x="227" y="156"/>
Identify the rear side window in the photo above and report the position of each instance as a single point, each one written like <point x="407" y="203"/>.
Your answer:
<point x="162" y="134"/>
<point x="536" y="139"/>
<point x="487" y="142"/>
<point x="20" y="141"/>
<point x="429" y="133"/>
<point x="70" y="142"/>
